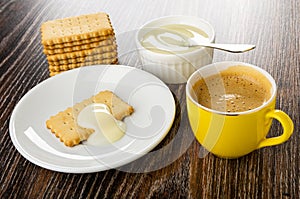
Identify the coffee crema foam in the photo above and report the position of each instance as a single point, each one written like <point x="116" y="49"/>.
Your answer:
<point x="235" y="89"/>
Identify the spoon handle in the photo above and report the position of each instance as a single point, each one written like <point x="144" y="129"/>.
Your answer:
<point x="233" y="48"/>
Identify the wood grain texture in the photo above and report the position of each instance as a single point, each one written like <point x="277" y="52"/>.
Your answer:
<point x="272" y="172"/>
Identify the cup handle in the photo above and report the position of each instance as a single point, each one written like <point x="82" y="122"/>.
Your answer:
<point x="287" y="125"/>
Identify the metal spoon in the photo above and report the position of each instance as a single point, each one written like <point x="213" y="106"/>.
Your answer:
<point x="194" y="43"/>
<point x="233" y="48"/>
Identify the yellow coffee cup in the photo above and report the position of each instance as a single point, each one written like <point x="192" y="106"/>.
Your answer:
<point x="234" y="134"/>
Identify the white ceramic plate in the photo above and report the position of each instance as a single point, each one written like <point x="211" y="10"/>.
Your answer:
<point x="153" y="117"/>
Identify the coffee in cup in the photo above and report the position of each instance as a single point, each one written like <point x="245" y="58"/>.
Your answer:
<point x="235" y="89"/>
<point x="231" y="106"/>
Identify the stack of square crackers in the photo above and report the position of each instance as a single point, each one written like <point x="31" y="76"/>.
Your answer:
<point x="79" y="41"/>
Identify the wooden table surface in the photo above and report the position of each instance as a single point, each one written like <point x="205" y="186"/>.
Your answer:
<point x="272" y="172"/>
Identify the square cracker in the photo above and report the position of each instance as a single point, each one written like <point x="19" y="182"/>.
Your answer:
<point x="111" y="49"/>
<point x="79" y="42"/>
<point x="76" y="28"/>
<point x="92" y="58"/>
<point x="54" y="70"/>
<point x="64" y="124"/>
<point x="91" y="45"/>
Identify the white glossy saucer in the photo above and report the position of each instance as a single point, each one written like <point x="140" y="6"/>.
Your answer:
<point x="153" y="117"/>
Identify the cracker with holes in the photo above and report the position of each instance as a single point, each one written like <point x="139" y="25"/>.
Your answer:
<point x="54" y="70"/>
<point x="64" y="124"/>
<point x="79" y="41"/>
<point x="83" y="27"/>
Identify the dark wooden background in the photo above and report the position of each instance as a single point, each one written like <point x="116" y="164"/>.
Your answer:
<point x="273" y="25"/>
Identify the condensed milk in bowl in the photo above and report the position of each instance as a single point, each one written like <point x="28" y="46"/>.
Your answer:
<point x="166" y="47"/>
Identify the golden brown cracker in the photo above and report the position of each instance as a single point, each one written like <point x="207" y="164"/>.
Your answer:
<point x="76" y="28"/>
<point x="80" y="42"/>
<point x="118" y="107"/>
<point x="53" y="73"/>
<point x="87" y="46"/>
<point x="64" y="67"/>
<point x="64" y="124"/>
<point x="82" y="53"/>
<point x="96" y="57"/>
<point x="54" y="70"/>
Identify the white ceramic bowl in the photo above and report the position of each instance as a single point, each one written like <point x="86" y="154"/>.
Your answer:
<point x="175" y="68"/>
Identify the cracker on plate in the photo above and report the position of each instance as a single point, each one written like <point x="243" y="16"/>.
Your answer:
<point x="64" y="124"/>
